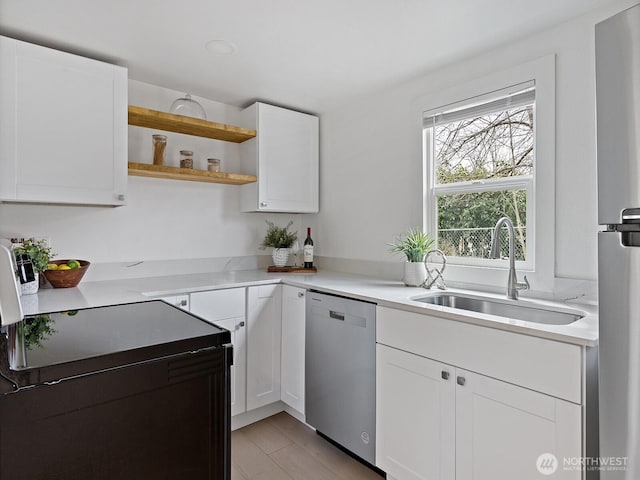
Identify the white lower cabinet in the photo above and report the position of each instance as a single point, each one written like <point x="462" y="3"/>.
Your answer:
<point x="226" y="309"/>
<point x="239" y="368"/>
<point x="502" y="429"/>
<point x="437" y="421"/>
<point x="415" y="424"/>
<point x="180" y="301"/>
<point x="292" y="356"/>
<point x="264" y="322"/>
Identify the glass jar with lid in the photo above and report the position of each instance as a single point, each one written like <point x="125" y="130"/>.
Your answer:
<point x="186" y="159"/>
<point x="159" y="144"/>
<point x="213" y="164"/>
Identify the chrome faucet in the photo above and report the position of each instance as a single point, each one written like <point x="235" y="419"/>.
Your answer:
<point x="512" y="282"/>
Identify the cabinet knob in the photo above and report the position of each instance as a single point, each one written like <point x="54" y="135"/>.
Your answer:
<point x="120" y="198"/>
<point x="300" y="294"/>
<point x="263" y="204"/>
<point x="445" y="375"/>
<point x="241" y="324"/>
<point x="460" y="380"/>
<point x="182" y="303"/>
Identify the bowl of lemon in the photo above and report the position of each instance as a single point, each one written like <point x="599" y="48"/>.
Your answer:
<point x="65" y="273"/>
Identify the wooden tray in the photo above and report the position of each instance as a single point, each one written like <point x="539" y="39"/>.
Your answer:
<point x="274" y="269"/>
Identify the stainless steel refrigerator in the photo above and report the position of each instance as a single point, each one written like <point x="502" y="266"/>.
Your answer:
<point x="618" y="149"/>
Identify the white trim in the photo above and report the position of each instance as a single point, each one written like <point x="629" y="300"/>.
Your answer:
<point x="503" y="99"/>
<point x="541" y="211"/>
<point x="487" y="185"/>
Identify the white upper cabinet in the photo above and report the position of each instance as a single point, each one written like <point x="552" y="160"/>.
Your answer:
<point x="284" y="156"/>
<point x="63" y="127"/>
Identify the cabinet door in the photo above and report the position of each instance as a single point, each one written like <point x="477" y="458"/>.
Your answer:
<point x="264" y="321"/>
<point x="284" y="156"/>
<point x="239" y="368"/>
<point x="226" y="309"/>
<point x="292" y="358"/>
<point x="63" y="127"/>
<point x="219" y="304"/>
<point x="415" y="416"/>
<point x="180" y="301"/>
<point x="502" y="429"/>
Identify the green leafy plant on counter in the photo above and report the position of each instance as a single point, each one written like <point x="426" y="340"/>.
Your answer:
<point x="39" y="252"/>
<point x="36" y="330"/>
<point x="414" y="244"/>
<point x="278" y="237"/>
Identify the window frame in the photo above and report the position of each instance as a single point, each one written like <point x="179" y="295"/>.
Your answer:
<point x="520" y="182"/>
<point x="540" y="263"/>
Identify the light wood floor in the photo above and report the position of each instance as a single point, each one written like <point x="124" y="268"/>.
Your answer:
<point x="282" y="448"/>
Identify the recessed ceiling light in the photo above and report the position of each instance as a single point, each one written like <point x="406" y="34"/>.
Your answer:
<point x="220" y="47"/>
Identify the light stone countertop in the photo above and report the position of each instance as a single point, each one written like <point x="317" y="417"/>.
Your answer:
<point x="387" y="293"/>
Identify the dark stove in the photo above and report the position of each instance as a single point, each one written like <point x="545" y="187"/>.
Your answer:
<point x="128" y="391"/>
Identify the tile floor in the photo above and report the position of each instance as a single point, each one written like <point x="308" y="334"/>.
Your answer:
<point x="282" y="448"/>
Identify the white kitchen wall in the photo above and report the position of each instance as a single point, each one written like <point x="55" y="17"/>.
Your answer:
<point x="170" y="222"/>
<point x="371" y="173"/>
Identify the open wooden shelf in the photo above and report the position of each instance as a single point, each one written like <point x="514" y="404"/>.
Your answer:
<point x="144" y="117"/>
<point x="175" y="173"/>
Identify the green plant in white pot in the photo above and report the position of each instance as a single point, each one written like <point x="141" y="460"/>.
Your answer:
<point x="414" y="244"/>
<point x="281" y="240"/>
<point x="39" y="253"/>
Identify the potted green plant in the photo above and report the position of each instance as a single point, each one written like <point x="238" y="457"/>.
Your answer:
<point x="414" y="244"/>
<point x="281" y="240"/>
<point x="39" y="253"/>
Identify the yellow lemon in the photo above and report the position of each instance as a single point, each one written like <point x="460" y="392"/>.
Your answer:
<point x="64" y="267"/>
<point x="52" y="266"/>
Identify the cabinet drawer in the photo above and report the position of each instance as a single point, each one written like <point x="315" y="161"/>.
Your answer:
<point x="219" y="304"/>
<point x="543" y="365"/>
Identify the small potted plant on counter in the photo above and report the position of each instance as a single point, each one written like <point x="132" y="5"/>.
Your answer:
<point x="414" y="244"/>
<point x="281" y="240"/>
<point x="39" y="252"/>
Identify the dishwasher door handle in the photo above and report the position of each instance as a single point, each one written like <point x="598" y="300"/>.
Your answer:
<point x="336" y="315"/>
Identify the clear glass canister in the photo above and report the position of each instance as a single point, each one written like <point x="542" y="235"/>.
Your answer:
<point x="186" y="159"/>
<point x="213" y="165"/>
<point x="159" y="144"/>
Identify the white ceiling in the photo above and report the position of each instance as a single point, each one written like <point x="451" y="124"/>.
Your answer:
<point x="309" y="55"/>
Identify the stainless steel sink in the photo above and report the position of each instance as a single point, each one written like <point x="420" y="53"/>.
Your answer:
<point x="506" y="309"/>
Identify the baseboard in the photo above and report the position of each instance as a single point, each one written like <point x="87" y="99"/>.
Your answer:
<point x="295" y="414"/>
<point x="253" y="416"/>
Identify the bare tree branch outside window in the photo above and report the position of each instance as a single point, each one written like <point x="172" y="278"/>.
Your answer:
<point x="490" y="146"/>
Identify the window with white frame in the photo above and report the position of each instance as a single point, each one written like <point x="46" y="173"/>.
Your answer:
<point x="480" y="156"/>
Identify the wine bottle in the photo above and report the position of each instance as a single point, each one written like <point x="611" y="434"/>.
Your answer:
<point x="307" y="250"/>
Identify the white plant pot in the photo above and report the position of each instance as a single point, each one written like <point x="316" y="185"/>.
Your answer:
<point x="31" y="287"/>
<point x="415" y="274"/>
<point x="280" y="256"/>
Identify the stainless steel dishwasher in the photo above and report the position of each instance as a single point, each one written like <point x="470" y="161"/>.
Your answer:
<point x="340" y="359"/>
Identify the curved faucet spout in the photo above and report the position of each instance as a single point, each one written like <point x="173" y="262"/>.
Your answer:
<point x="512" y="282"/>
